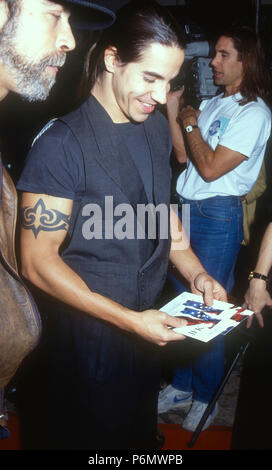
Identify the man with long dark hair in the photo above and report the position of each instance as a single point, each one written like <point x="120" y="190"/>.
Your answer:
<point x="102" y="268"/>
<point x="35" y="37"/>
<point x="223" y="144"/>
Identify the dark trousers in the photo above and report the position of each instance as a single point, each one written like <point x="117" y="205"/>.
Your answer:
<point x="90" y="386"/>
<point x="253" y="420"/>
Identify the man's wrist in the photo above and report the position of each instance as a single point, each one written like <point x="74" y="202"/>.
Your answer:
<point x="189" y="129"/>
<point x="257" y="275"/>
<point x="189" y="122"/>
<point x="196" y="275"/>
<point x="257" y="287"/>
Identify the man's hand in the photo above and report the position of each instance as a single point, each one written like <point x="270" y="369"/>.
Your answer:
<point x="187" y="116"/>
<point x="256" y="298"/>
<point x="154" y="327"/>
<point x="210" y="289"/>
<point x="175" y="101"/>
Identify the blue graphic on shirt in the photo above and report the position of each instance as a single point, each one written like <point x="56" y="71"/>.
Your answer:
<point x="219" y="126"/>
<point x="214" y="127"/>
<point x="224" y="124"/>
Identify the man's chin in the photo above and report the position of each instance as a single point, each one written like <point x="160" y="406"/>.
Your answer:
<point x="218" y="82"/>
<point x="34" y="98"/>
<point x="36" y="93"/>
<point x="139" y="118"/>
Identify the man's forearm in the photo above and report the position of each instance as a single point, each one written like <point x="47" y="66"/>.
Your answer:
<point x="177" y="138"/>
<point x="257" y="295"/>
<point x="211" y="164"/>
<point x="173" y="104"/>
<point x="187" y="263"/>
<point x="201" y="154"/>
<point x="181" y="254"/>
<point x="58" y="280"/>
<point x="190" y="267"/>
<point x="264" y="261"/>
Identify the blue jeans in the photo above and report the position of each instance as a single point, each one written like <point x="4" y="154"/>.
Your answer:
<point x="216" y="233"/>
<point x="4" y="433"/>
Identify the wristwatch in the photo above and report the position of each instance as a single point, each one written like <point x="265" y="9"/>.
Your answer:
<point x="255" y="275"/>
<point x="190" y="128"/>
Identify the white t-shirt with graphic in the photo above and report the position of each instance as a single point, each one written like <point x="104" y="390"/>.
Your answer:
<point x="244" y="129"/>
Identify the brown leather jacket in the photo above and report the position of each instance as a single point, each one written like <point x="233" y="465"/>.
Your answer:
<point x="20" y="325"/>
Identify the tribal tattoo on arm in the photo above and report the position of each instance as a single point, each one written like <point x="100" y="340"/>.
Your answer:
<point x="40" y="219"/>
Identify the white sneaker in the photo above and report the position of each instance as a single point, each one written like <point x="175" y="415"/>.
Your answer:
<point x="195" y="414"/>
<point x="171" y="398"/>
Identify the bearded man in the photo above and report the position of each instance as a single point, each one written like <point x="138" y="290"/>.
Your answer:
<point x="35" y="36"/>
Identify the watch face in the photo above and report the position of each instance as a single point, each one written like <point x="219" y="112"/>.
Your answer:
<point x="189" y="129"/>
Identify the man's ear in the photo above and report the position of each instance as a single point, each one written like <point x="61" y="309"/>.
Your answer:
<point x="111" y="59"/>
<point x="4" y="13"/>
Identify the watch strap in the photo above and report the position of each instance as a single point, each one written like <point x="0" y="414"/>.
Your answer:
<point x="255" y="275"/>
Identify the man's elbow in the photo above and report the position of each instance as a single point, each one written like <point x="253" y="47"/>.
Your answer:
<point x="208" y="175"/>
<point x="27" y="273"/>
<point x="28" y="269"/>
<point x="209" y="178"/>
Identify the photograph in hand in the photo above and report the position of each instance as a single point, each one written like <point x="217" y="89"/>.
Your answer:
<point x="205" y="322"/>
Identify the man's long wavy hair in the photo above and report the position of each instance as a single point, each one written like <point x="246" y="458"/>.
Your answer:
<point x="138" y="25"/>
<point x="256" y="77"/>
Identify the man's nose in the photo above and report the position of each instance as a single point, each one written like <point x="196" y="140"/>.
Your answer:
<point x="159" y="94"/>
<point x="214" y="61"/>
<point x="65" y="39"/>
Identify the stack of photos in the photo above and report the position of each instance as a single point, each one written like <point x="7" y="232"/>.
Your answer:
<point x="205" y="322"/>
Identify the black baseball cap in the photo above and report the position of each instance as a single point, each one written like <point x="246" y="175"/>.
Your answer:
<point x="88" y="15"/>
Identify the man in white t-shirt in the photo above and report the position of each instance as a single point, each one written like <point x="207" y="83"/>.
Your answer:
<point x="223" y="145"/>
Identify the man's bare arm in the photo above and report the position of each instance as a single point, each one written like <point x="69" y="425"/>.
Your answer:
<point x="210" y="163"/>
<point x="45" y="221"/>
<point x="257" y="296"/>
<point x="190" y="267"/>
<point x="172" y="106"/>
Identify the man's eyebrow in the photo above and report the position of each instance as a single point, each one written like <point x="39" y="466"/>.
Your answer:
<point x="153" y="74"/>
<point x="48" y="3"/>
<point x="55" y="5"/>
<point x="223" y="51"/>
